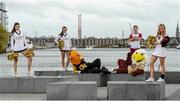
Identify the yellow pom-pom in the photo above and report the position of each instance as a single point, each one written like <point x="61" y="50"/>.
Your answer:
<point x="61" y="44"/>
<point x="12" y="56"/>
<point x="29" y="53"/>
<point x="150" y="41"/>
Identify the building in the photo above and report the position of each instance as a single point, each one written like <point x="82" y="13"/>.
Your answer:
<point x="173" y="42"/>
<point x="43" y="42"/>
<point x="3" y="16"/>
<point x="101" y="42"/>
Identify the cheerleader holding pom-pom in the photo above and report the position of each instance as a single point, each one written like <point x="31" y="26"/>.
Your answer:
<point x="63" y="41"/>
<point x="162" y="40"/>
<point x="19" y="45"/>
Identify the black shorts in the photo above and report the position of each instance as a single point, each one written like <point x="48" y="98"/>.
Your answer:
<point x="20" y="51"/>
<point x="65" y="50"/>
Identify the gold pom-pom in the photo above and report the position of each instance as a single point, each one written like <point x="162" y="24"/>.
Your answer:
<point x="61" y="44"/>
<point x="29" y="53"/>
<point x="12" y="56"/>
<point x="150" y="42"/>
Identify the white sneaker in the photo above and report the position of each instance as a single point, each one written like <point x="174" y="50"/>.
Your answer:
<point x="160" y="80"/>
<point x="150" y="80"/>
<point x="16" y="75"/>
<point x="29" y="73"/>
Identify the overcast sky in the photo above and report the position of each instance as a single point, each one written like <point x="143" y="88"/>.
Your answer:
<point x="100" y="18"/>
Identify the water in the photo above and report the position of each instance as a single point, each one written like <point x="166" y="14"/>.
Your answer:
<point x="49" y="59"/>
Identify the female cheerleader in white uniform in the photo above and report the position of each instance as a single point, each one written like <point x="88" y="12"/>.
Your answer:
<point x="19" y="45"/>
<point x="159" y="52"/>
<point x="65" y="50"/>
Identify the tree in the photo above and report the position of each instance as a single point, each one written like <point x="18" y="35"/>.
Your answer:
<point x="4" y="37"/>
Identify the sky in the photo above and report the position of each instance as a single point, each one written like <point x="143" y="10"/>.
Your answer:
<point x="100" y="18"/>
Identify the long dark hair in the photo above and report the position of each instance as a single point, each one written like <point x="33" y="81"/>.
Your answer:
<point x="62" y="33"/>
<point x="14" y="30"/>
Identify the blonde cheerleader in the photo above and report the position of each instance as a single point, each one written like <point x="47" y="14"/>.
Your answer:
<point x="162" y="40"/>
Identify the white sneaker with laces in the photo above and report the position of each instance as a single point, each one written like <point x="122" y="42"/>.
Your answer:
<point x="160" y="80"/>
<point x="150" y="79"/>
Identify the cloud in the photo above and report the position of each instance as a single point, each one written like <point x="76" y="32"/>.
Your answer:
<point x="107" y="18"/>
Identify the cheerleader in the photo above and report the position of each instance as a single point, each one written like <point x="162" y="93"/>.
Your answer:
<point x="135" y="39"/>
<point x="19" y="45"/>
<point x="159" y="52"/>
<point x="63" y="40"/>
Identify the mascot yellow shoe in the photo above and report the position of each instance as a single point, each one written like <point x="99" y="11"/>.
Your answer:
<point x="139" y="58"/>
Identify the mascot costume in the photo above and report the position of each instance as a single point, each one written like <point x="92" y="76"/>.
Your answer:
<point x="79" y="64"/>
<point x="123" y="64"/>
<point x="139" y="58"/>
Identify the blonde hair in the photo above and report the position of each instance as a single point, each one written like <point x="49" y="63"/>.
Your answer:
<point x="159" y="33"/>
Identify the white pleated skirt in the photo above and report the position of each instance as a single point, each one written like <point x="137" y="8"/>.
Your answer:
<point x="159" y="51"/>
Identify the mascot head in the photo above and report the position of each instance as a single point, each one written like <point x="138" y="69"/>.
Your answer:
<point x="139" y="57"/>
<point x="75" y="57"/>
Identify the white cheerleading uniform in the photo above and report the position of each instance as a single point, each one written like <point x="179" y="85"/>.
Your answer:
<point x="67" y="41"/>
<point x="18" y="41"/>
<point x="159" y="51"/>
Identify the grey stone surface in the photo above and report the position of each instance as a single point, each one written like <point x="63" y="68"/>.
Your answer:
<point x="101" y="79"/>
<point x="72" y="90"/>
<point x="126" y="77"/>
<point x="25" y="84"/>
<point x="40" y="83"/>
<point x="53" y="73"/>
<point x="135" y="90"/>
<point x="171" y="77"/>
<point x="172" y="93"/>
<point x="30" y="84"/>
<point x="8" y="85"/>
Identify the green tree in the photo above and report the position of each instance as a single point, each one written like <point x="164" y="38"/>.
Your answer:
<point x="4" y="37"/>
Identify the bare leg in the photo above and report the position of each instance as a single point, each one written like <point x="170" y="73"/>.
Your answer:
<point x="62" y="59"/>
<point x="162" y="65"/>
<point x="29" y="62"/>
<point x="15" y="64"/>
<point x="153" y="60"/>
<point x="68" y="60"/>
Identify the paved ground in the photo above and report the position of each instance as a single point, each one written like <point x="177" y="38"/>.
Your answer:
<point x="172" y="93"/>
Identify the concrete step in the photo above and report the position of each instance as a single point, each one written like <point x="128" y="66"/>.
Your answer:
<point x="135" y="90"/>
<point x="29" y="84"/>
<point x="72" y="90"/>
